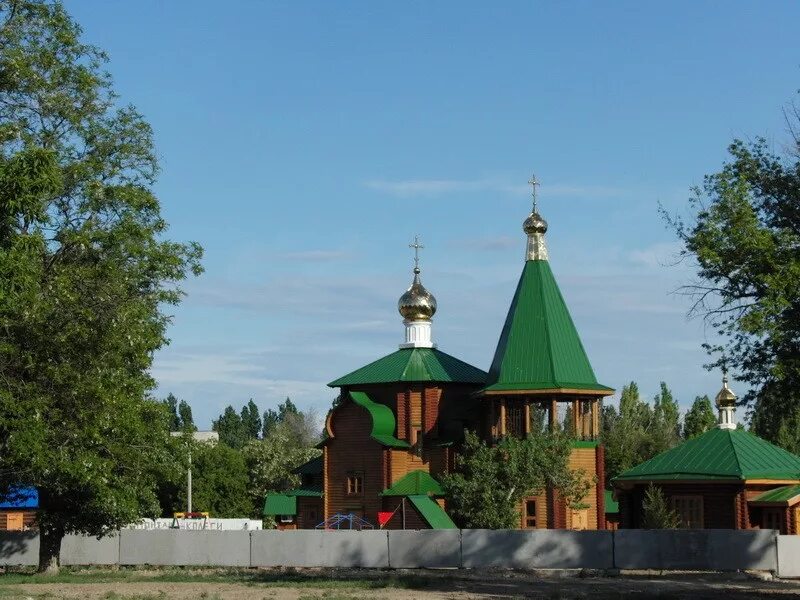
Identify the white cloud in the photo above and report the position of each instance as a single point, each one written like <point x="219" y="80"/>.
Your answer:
<point x="439" y="187"/>
<point x="663" y="254"/>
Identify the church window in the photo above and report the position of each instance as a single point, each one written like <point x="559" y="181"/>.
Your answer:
<point x="355" y="483"/>
<point x="515" y="420"/>
<point x="689" y="510"/>
<point x="530" y="514"/>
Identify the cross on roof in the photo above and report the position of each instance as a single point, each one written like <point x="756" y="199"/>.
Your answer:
<point x="417" y="247"/>
<point x="533" y="182"/>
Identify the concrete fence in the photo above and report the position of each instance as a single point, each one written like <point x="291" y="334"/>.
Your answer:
<point x="715" y="550"/>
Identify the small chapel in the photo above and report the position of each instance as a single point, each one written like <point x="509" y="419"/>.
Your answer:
<point x="398" y="422"/>
<point x="726" y="478"/>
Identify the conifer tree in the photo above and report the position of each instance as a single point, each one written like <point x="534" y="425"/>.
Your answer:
<point x="656" y="513"/>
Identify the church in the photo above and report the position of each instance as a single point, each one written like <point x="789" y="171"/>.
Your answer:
<point x="398" y="421"/>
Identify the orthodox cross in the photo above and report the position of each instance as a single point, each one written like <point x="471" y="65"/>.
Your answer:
<point x="533" y="182"/>
<point x="417" y="247"/>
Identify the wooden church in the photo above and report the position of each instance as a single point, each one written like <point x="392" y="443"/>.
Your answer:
<point x="399" y="420"/>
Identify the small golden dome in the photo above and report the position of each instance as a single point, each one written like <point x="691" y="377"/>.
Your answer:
<point x="417" y="303"/>
<point x="725" y="397"/>
<point x="534" y="224"/>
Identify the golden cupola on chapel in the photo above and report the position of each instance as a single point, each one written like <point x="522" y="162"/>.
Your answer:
<point x="417" y="305"/>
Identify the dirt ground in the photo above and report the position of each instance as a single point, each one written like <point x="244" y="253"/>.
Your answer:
<point x="424" y="586"/>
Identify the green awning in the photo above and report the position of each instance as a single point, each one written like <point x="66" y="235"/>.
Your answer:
<point x="433" y="514"/>
<point x="783" y="496"/>
<point x="280" y="504"/>
<point x="612" y="506"/>
<point x="415" y="483"/>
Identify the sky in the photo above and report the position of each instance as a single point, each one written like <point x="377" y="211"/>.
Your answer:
<point x="304" y="144"/>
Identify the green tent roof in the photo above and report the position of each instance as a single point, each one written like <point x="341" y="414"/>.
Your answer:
<point x="383" y="423"/>
<point x="309" y="491"/>
<point x="719" y="454"/>
<point x="432" y="512"/>
<point x="414" y="364"/>
<point x="781" y="495"/>
<point x="415" y="483"/>
<point x="280" y="504"/>
<point x="539" y="347"/>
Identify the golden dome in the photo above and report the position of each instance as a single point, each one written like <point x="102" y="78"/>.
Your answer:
<point x="725" y="397"/>
<point x="534" y="224"/>
<point x="417" y="303"/>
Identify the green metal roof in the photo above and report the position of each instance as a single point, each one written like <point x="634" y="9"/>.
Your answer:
<point x="432" y="512"/>
<point x="312" y="467"/>
<point x="280" y="504"/>
<point x="781" y="495"/>
<point x="414" y="364"/>
<point x="539" y="347"/>
<point x="309" y="491"/>
<point x="732" y="454"/>
<point x="383" y="423"/>
<point x="415" y="483"/>
<point x="612" y="506"/>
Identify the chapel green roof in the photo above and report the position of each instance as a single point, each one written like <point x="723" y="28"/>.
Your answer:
<point x="411" y="365"/>
<point x="432" y="512"/>
<point x="782" y="495"/>
<point x="539" y="347"/>
<point x="730" y="454"/>
<point x="415" y="483"/>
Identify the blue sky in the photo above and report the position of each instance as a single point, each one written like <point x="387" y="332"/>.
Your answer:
<point x="303" y="144"/>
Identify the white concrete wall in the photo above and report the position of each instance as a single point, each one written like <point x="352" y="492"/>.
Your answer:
<point x="316" y="548"/>
<point x="789" y="556"/>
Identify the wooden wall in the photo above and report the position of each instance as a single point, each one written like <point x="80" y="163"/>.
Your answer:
<point x="28" y="518"/>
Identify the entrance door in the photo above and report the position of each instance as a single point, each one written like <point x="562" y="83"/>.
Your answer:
<point x="14" y="521"/>
<point x="771" y="518"/>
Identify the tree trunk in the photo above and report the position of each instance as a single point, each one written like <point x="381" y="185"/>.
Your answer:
<point x="49" y="550"/>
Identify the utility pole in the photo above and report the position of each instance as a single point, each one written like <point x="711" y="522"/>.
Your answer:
<point x="198" y="436"/>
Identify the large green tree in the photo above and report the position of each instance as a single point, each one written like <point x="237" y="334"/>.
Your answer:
<point x="220" y="484"/>
<point x="490" y="481"/>
<point x="85" y="272"/>
<point x="744" y="235"/>
<point x="699" y="418"/>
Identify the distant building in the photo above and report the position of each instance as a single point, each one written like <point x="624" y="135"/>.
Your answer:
<point x="400" y="420"/>
<point x="18" y="510"/>
<point x="726" y="478"/>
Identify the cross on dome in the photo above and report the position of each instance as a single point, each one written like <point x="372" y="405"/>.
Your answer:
<point x="533" y="182"/>
<point x="417" y="247"/>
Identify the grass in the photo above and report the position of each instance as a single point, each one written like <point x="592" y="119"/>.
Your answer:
<point x="366" y="580"/>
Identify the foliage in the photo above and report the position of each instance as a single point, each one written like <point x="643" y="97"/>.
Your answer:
<point x="220" y="484"/>
<point x="699" y="418"/>
<point x="180" y="414"/>
<point x="490" y="481"/>
<point x="231" y="430"/>
<point x="666" y="426"/>
<point x="657" y="515"/>
<point x="272" y="417"/>
<point x="744" y="234"/>
<point x="270" y="463"/>
<point x="85" y="271"/>
<point x="251" y="420"/>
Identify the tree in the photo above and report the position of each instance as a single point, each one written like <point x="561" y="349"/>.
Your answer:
<point x="85" y="272"/>
<point x="490" y="481"/>
<point x="272" y="417"/>
<point x="171" y="404"/>
<point x="230" y="428"/>
<point x="699" y="418"/>
<point x="624" y="434"/>
<point x="270" y="462"/>
<point x="251" y="420"/>
<point x="666" y="426"/>
<point x="657" y="515"/>
<point x="185" y="419"/>
<point x="220" y="484"/>
<point x="743" y="233"/>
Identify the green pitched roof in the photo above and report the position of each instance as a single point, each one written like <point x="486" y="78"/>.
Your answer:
<point x="719" y="454"/>
<point x="415" y="483"/>
<point x="539" y="347"/>
<point x="312" y="467"/>
<point x="383" y="423"/>
<point x="413" y="364"/>
<point x="280" y="504"/>
<point x="309" y="491"/>
<point x="432" y="512"/>
<point x="781" y="495"/>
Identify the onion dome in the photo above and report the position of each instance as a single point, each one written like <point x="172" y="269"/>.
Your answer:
<point x="534" y="224"/>
<point x="417" y="303"/>
<point x="725" y="397"/>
